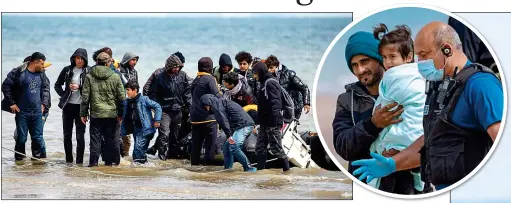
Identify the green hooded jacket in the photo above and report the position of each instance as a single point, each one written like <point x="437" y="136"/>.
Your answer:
<point x="103" y="93"/>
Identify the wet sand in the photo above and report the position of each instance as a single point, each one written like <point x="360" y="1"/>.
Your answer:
<point x="174" y="179"/>
<point x="326" y="104"/>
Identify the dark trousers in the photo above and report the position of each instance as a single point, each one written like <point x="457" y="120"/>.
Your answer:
<point x="184" y="129"/>
<point x="104" y="128"/>
<point x="167" y="140"/>
<point x="298" y="112"/>
<point x="118" y="134"/>
<point x="186" y="125"/>
<point x="204" y="132"/>
<point x="29" y="122"/>
<point x="70" y="116"/>
<point x="273" y="137"/>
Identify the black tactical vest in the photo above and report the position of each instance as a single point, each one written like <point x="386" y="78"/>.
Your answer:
<point x="450" y="152"/>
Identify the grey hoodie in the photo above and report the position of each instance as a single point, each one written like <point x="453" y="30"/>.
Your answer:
<point x="128" y="72"/>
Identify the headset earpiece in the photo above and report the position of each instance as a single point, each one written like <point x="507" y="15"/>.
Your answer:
<point x="447" y="51"/>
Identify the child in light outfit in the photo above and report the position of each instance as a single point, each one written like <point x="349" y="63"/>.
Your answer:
<point x="401" y="83"/>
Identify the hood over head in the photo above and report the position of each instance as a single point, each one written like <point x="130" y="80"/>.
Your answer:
<point x="225" y="60"/>
<point x="208" y="99"/>
<point x="101" y="72"/>
<point x="81" y="53"/>
<point x="205" y="65"/>
<point x="261" y="70"/>
<point x="173" y="61"/>
<point x="127" y="57"/>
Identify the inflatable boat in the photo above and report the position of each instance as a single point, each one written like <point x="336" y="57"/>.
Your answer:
<point x="304" y="150"/>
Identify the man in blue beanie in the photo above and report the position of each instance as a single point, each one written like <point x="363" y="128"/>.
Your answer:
<point x="355" y="127"/>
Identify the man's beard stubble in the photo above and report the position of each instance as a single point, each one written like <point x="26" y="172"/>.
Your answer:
<point x="377" y="76"/>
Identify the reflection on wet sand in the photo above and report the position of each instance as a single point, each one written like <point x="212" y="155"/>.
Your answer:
<point x="174" y="179"/>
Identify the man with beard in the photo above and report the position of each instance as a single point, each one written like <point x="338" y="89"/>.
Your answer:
<point x="355" y="127"/>
<point x="27" y="93"/>
<point x="186" y="125"/>
<point x="171" y="90"/>
<point x="127" y="66"/>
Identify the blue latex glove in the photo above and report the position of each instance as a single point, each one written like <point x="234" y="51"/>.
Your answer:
<point x="377" y="167"/>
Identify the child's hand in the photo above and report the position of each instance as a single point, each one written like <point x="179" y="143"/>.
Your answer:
<point x="231" y="141"/>
<point x="390" y="153"/>
<point x="156" y="124"/>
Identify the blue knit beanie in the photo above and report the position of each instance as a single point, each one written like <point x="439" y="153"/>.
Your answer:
<point x="362" y="43"/>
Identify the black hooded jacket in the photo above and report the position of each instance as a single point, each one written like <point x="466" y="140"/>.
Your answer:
<point x="171" y="91"/>
<point x="353" y="131"/>
<point x="225" y="60"/>
<point x="294" y="86"/>
<point x="203" y="84"/>
<point x="66" y="75"/>
<point x="147" y="85"/>
<point x="269" y="102"/>
<point x="229" y="115"/>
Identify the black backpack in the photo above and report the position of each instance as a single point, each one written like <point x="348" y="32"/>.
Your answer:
<point x="288" y="106"/>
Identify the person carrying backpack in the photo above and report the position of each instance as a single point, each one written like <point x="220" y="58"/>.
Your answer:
<point x="270" y="107"/>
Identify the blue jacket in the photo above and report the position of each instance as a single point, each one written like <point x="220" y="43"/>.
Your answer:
<point x="144" y="107"/>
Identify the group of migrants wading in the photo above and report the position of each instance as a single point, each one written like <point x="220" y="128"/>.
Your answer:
<point x="253" y="101"/>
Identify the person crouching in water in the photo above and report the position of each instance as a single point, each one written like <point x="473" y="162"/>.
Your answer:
<point x="138" y="120"/>
<point x="237" y="126"/>
<point x="269" y="113"/>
